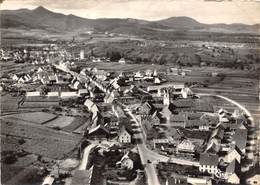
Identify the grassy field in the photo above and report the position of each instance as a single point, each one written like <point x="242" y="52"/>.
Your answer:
<point x="33" y="117"/>
<point x="39" y="140"/>
<point x="61" y="121"/>
<point x="114" y="66"/>
<point x="8" y="103"/>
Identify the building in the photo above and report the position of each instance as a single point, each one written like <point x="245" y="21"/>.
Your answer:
<point x="178" y="120"/>
<point x="125" y="135"/>
<point x="232" y="172"/>
<point x="185" y="146"/>
<point x="98" y="132"/>
<point x="125" y="162"/>
<point x="121" y="61"/>
<point x="240" y="139"/>
<point x="72" y="94"/>
<point x="208" y="163"/>
<point x="34" y="93"/>
<point x="233" y="154"/>
<point x="82" y="55"/>
<point x="145" y="109"/>
<point x="83" y="92"/>
<point x="53" y="94"/>
<point x="92" y="107"/>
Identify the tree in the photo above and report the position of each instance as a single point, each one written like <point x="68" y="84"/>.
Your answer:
<point x="44" y="90"/>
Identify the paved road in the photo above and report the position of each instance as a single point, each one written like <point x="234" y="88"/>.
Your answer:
<point x="247" y="113"/>
<point x="84" y="161"/>
<point x="153" y="157"/>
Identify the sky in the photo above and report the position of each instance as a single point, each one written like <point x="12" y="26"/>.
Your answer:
<point x="205" y="11"/>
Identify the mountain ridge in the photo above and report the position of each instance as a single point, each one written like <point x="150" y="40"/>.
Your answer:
<point x="42" y="18"/>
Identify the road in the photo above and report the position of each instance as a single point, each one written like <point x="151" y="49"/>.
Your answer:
<point x="151" y="156"/>
<point x="84" y="161"/>
<point x="250" y="155"/>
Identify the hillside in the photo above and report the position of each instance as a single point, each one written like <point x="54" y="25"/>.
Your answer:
<point x="42" y="18"/>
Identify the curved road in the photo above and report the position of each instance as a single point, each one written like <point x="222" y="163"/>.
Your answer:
<point x="84" y="161"/>
<point x="244" y="109"/>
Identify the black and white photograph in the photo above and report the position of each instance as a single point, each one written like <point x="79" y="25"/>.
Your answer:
<point x="130" y="92"/>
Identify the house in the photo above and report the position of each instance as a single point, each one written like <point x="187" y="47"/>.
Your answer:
<point x="83" y="92"/>
<point x="72" y="94"/>
<point x="76" y="85"/>
<point x="121" y="61"/>
<point x="145" y="109"/>
<point x="178" y="120"/>
<point x="148" y="72"/>
<point x="125" y="135"/>
<point x="92" y="107"/>
<point x="125" y="162"/>
<point x="197" y="124"/>
<point x="25" y="78"/>
<point x="232" y="172"/>
<point x="224" y="116"/>
<point x="53" y="94"/>
<point x="138" y="75"/>
<point x="48" y="180"/>
<point x="208" y="163"/>
<point x="213" y="145"/>
<point x="185" y="146"/>
<point x="185" y="92"/>
<point x="176" y="180"/>
<point x="157" y="80"/>
<point x="34" y="93"/>
<point x="155" y="73"/>
<point x="98" y="131"/>
<point x="218" y="133"/>
<point x="16" y="77"/>
<point x="240" y="139"/>
<point x="232" y="154"/>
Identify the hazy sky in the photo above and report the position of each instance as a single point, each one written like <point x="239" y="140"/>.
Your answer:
<point x="206" y="11"/>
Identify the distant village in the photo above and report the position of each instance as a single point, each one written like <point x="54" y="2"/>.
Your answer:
<point x="135" y="123"/>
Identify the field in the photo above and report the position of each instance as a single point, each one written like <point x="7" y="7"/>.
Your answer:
<point x="38" y="139"/>
<point x="61" y="121"/>
<point x="8" y="103"/>
<point x="116" y="67"/>
<point x="33" y="117"/>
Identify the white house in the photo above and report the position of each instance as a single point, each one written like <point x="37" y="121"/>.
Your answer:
<point x="69" y="94"/>
<point x="121" y="61"/>
<point x="124" y="136"/>
<point x="185" y="146"/>
<point x="157" y="80"/>
<point x="53" y="94"/>
<point x="233" y="154"/>
<point x="34" y="93"/>
<point x="125" y="162"/>
<point x="48" y="180"/>
<point x="92" y="107"/>
<point x="208" y="163"/>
